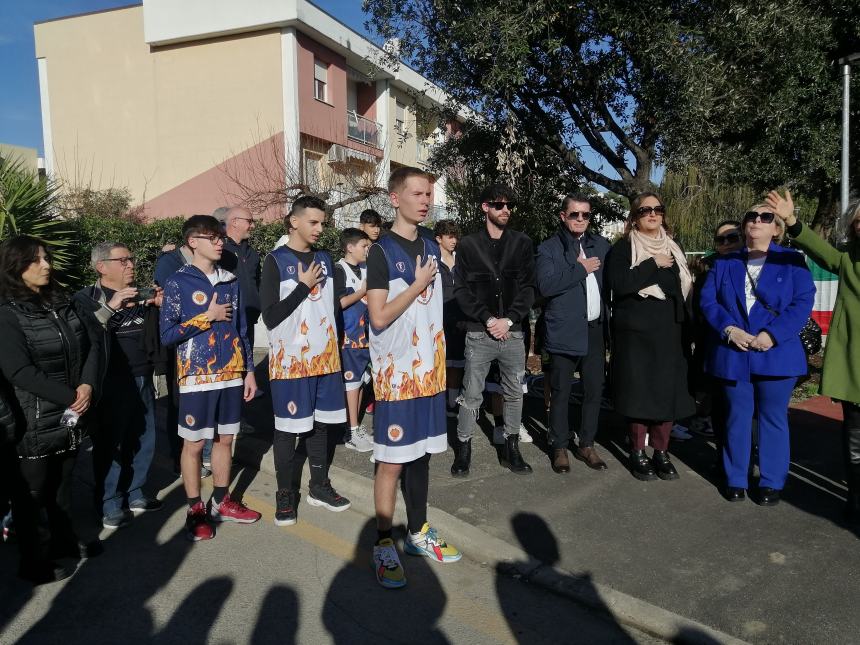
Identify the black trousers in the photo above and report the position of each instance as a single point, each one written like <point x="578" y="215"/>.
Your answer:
<point x="592" y="370"/>
<point x="42" y="507"/>
<point x="851" y="453"/>
<point x="290" y="450"/>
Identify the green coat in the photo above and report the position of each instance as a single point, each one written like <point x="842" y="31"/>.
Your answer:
<point x="840" y="377"/>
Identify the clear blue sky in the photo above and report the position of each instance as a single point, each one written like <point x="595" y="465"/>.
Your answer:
<point x="20" y="115"/>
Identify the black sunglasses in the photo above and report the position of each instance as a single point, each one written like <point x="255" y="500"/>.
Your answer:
<point x="728" y="238"/>
<point x="751" y="216"/>
<point x="500" y="205"/>
<point x="647" y="210"/>
<point x="583" y="215"/>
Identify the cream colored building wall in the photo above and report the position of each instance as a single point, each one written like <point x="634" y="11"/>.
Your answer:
<point x="28" y="156"/>
<point x="123" y="115"/>
<point x="402" y="150"/>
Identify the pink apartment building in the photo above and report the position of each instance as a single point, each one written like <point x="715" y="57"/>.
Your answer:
<point x="181" y="101"/>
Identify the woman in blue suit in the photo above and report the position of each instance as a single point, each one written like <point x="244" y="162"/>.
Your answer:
<point x="757" y="300"/>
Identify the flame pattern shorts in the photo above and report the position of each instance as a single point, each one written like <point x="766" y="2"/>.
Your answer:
<point x="203" y="412"/>
<point x="355" y="363"/>
<point x="404" y="431"/>
<point x="298" y="402"/>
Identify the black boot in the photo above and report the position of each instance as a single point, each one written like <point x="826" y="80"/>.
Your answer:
<point x="640" y="466"/>
<point x="513" y="460"/>
<point x="665" y="469"/>
<point x="852" y="507"/>
<point x="462" y="458"/>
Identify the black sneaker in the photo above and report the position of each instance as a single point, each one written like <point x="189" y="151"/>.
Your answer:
<point x="117" y="520"/>
<point x="145" y="505"/>
<point x="326" y="496"/>
<point x="286" y="501"/>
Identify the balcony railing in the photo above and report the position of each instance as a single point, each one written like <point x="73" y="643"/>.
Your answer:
<point x="361" y="129"/>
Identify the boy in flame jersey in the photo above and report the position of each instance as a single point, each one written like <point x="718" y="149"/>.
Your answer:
<point x="351" y="289"/>
<point x="297" y="294"/>
<point x="201" y="314"/>
<point x="407" y="354"/>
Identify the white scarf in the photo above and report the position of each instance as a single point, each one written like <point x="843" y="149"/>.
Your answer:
<point x="643" y="247"/>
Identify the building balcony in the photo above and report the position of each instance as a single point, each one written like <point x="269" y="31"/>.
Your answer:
<point x="363" y="130"/>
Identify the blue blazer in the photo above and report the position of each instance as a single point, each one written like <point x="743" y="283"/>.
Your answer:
<point x="785" y="284"/>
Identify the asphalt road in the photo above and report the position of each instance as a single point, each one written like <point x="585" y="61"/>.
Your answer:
<point x="310" y="583"/>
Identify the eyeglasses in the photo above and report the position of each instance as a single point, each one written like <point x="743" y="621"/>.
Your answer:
<point x="752" y="216"/>
<point x="246" y="219"/>
<point x="583" y="215"/>
<point x="500" y="205"/>
<point x="213" y="239"/>
<point x="647" y="210"/>
<point x="123" y="261"/>
<point x="728" y="238"/>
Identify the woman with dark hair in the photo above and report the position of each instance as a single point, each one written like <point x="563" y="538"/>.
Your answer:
<point x="50" y="356"/>
<point x="647" y="275"/>
<point x="757" y="300"/>
<point x="840" y="373"/>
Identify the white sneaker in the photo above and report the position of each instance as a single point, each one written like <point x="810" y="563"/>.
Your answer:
<point x="680" y="433"/>
<point x="525" y="437"/>
<point x="359" y="440"/>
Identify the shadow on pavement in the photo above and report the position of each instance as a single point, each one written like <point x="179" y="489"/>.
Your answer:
<point x="255" y="439"/>
<point x="539" y="542"/>
<point x="278" y="620"/>
<point x="357" y="610"/>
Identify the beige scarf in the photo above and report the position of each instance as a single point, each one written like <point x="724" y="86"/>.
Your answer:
<point x="643" y="247"/>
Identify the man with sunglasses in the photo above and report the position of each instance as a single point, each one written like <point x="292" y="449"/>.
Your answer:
<point x="494" y="286"/>
<point x="570" y="277"/>
<point x="240" y="259"/>
<point x="124" y="432"/>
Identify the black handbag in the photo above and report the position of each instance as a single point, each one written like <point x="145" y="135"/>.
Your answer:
<point x="810" y="335"/>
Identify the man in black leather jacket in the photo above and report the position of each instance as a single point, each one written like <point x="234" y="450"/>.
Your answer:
<point x="494" y="280"/>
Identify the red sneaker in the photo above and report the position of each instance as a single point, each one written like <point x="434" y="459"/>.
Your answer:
<point x="231" y="510"/>
<point x="196" y="526"/>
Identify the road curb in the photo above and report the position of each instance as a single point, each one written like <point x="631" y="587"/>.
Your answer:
<point x="511" y="560"/>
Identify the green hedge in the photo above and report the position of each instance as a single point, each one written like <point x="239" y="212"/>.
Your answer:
<point x="146" y="241"/>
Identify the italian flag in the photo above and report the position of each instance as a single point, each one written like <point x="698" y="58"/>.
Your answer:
<point x="826" y="286"/>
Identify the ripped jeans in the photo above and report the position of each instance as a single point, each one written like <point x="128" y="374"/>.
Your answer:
<point x="481" y="350"/>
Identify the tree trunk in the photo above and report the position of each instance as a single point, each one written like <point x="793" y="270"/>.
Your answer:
<point x="828" y="210"/>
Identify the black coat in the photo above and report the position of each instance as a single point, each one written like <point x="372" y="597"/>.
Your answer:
<point x="561" y="281"/>
<point x="649" y="351"/>
<point x="498" y="284"/>
<point x="244" y="262"/>
<point x="46" y="352"/>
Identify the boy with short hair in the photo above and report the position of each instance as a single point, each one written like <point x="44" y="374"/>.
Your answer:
<point x="407" y="354"/>
<point x="202" y="314"/>
<point x="297" y="293"/>
<point x="371" y="223"/>
<point x="351" y="287"/>
<point x="447" y="233"/>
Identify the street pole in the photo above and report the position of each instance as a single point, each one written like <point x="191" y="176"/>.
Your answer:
<point x="845" y="188"/>
<point x="846" y="136"/>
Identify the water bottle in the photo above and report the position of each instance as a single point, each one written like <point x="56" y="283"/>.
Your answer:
<point x="70" y="418"/>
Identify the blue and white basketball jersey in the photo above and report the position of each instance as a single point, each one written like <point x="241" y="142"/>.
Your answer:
<point x="305" y="343"/>
<point x="355" y="317"/>
<point x="408" y="357"/>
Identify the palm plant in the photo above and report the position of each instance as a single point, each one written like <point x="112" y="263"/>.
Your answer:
<point x="27" y="207"/>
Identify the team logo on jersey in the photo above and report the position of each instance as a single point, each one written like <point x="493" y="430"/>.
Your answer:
<point x="189" y="420"/>
<point x="291" y="270"/>
<point x="401" y="266"/>
<point x="199" y="298"/>
<point x="395" y="433"/>
<point x="292" y="407"/>
<point x="425" y="296"/>
<point x="316" y="292"/>
<point x="348" y="375"/>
